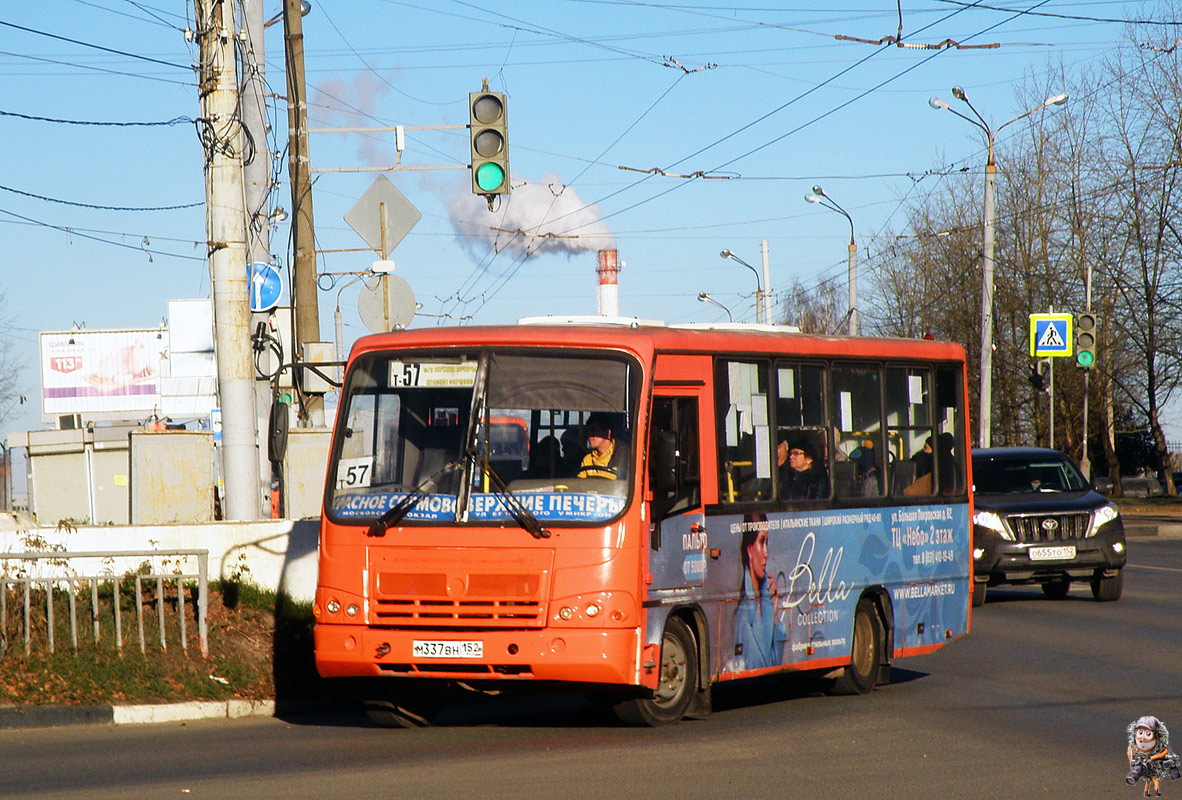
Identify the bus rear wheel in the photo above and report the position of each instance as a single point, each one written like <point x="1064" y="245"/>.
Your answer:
<point x="865" y="653"/>
<point x="676" y="682"/>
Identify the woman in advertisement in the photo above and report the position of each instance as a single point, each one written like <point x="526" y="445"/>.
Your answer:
<point x="759" y="638"/>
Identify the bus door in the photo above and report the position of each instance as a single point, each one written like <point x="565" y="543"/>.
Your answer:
<point x="677" y="520"/>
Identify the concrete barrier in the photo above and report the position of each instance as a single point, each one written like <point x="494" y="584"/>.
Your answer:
<point x="279" y="555"/>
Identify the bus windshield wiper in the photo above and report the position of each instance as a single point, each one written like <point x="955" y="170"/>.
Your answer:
<point x="404" y="506"/>
<point x="521" y="515"/>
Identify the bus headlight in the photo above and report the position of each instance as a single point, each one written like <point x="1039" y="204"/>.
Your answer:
<point x="333" y="606"/>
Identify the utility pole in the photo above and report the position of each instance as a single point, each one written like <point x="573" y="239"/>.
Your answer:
<point x="1085" y="463"/>
<point x="986" y="421"/>
<point x="306" y="311"/>
<point x="257" y="180"/>
<point x="225" y="216"/>
<point x="767" y="285"/>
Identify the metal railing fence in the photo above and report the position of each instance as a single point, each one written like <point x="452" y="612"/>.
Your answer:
<point x="63" y="578"/>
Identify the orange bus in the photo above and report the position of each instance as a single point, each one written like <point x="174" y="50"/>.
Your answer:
<point x="696" y="504"/>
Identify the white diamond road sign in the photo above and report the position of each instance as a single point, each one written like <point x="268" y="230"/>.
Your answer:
<point x="1050" y="335"/>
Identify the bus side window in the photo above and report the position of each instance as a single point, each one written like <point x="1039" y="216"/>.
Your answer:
<point x="745" y="447"/>
<point x="950" y="446"/>
<point x="856" y="409"/>
<point x="910" y="436"/>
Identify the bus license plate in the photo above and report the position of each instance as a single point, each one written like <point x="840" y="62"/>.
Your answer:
<point x="1052" y="553"/>
<point x="452" y="649"/>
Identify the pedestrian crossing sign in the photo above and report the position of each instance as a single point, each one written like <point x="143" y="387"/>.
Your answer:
<point x="1050" y="335"/>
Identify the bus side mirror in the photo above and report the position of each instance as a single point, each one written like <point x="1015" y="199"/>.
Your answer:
<point x="662" y="464"/>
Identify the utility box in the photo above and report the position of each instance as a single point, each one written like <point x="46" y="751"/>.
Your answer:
<point x="78" y="474"/>
<point x="172" y="477"/>
<point x="303" y="471"/>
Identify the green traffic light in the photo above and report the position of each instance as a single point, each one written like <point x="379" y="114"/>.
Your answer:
<point x="489" y="176"/>
<point x="1085" y="358"/>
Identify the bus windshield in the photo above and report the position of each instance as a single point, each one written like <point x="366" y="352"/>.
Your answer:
<point x="475" y="432"/>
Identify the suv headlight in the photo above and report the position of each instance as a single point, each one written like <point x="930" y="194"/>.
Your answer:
<point x="991" y="520"/>
<point x="1104" y="515"/>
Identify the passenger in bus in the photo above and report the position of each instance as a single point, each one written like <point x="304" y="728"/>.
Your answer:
<point x="759" y="639"/>
<point x="605" y="458"/>
<point x="950" y="473"/>
<point x="572" y="452"/>
<point x="868" y="470"/>
<point x="783" y="470"/>
<point x="924" y="461"/>
<point x="545" y="459"/>
<point x="805" y="478"/>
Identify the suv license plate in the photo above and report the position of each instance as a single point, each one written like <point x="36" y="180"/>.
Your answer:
<point x="448" y="649"/>
<point x="1052" y="553"/>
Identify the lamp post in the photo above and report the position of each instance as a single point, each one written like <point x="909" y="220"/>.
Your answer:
<point x="819" y="196"/>
<point x="705" y="298"/>
<point x="758" y="286"/>
<point x="988" y="215"/>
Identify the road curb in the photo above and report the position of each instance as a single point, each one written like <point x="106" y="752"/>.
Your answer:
<point x="56" y="716"/>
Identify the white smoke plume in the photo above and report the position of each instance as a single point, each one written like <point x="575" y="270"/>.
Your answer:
<point x="535" y="218"/>
<point x="351" y="104"/>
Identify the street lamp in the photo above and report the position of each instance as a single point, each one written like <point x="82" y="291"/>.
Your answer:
<point x="986" y="416"/>
<point x="819" y="196"/>
<point x="758" y="285"/>
<point x="705" y="298"/>
<point x="305" y="7"/>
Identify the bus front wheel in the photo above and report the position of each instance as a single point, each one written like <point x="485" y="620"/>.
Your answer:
<point x="676" y="682"/>
<point x="865" y="653"/>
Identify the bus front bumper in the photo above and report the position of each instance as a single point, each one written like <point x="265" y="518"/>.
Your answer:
<point x="607" y="656"/>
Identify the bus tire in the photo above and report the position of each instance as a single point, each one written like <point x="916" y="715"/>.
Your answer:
<point x="402" y="713"/>
<point x="861" y="674"/>
<point x="677" y="681"/>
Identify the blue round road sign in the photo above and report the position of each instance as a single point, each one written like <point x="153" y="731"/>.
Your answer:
<point x="265" y="286"/>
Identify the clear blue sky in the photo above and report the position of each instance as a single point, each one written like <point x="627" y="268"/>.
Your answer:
<point x="755" y="93"/>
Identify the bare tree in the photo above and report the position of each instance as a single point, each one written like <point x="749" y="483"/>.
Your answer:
<point x="820" y="309"/>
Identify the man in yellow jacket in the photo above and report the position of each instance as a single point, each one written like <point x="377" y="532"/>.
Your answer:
<point x="606" y="458"/>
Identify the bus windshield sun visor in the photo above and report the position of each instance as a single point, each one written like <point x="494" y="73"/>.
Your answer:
<point x="591" y="384"/>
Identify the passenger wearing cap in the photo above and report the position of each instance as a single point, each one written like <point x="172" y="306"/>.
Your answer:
<point x="805" y="479"/>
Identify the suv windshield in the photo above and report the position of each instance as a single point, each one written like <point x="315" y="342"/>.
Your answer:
<point x="1018" y="475"/>
<point x="461" y="429"/>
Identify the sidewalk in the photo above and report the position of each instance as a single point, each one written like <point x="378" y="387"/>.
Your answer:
<point x="54" y="716"/>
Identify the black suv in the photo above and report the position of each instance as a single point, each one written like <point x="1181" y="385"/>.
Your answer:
<point x="1036" y="520"/>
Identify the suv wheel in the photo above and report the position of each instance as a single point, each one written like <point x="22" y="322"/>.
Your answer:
<point x="1056" y="589"/>
<point x="1108" y="589"/>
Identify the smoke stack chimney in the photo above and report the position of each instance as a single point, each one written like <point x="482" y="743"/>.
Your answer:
<point x="608" y="296"/>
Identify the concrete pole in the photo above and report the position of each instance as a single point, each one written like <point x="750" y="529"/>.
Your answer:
<point x="225" y="215"/>
<point x="1085" y="463"/>
<point x="257" y="180"/>
<point x="986" y="418"/>
<point x="853" y="278"/>
<point x="767" y="285"/>
<point x="304" y="299"/>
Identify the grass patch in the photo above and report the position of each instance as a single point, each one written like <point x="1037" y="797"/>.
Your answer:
<point x="260" y="647"/>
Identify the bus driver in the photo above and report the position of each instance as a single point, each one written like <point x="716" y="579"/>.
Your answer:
<point x="606" y="457"/>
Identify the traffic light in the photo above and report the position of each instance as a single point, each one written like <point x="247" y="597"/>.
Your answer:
<point x="488" y="119"/>
<point x="1038" y="374"/>
<point x="1085" y="340"/>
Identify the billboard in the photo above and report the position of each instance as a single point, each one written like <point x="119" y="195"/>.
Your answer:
<point x="101" y="375"/>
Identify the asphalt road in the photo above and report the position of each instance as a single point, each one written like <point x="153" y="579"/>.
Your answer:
<point x="1033" y="703"/>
